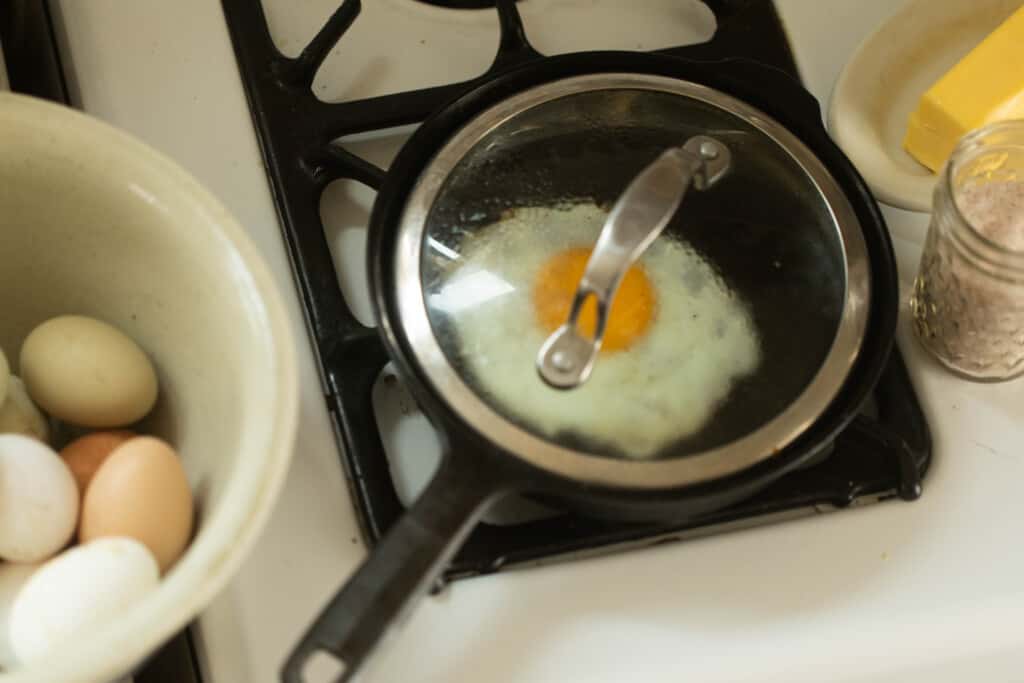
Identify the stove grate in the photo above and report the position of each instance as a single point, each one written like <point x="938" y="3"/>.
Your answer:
<point x="875" y="458"/>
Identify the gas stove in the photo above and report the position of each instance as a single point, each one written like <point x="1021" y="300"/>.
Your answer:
<point x="210" y="89"/>
<point x="319" y="130"/>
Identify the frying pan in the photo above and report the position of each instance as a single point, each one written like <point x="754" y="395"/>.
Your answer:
<point x="487" y="454"/>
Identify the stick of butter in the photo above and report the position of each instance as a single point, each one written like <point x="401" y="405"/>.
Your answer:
<point x="985" y="86"/>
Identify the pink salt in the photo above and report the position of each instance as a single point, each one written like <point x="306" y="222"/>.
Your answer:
<point x="971" y="320"/>
<point x="996" y="210"/>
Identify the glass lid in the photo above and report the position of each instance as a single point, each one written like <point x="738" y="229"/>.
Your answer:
<point x="725" y="338"/>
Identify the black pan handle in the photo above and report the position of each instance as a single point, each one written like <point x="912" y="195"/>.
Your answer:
<point x="400" y="569"/>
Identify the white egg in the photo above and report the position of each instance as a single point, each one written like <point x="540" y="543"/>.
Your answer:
<point x="663" y="387"/>
<point x="38" y="500"/>
<point x="12" y="578"/>
<point x="5" y="375"/>
<point x="19" y="415"/>
<point x="79" y="591"/>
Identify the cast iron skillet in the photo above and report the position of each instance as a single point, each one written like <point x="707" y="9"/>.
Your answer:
<point x="474" y="472"/>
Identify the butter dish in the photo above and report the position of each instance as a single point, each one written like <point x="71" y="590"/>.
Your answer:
<point x="885" y="78"/>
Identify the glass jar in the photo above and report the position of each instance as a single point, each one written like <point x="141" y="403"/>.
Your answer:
<point x="968" y="300"/>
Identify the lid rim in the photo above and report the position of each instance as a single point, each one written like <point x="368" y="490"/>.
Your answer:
<point x="727" y="459"/>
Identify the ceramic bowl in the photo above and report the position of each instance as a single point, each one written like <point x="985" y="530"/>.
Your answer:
<point x="95" y="223"/>
<point x="885" y="78"/>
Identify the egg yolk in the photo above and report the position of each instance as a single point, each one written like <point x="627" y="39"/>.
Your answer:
<point x="631" y="311"/>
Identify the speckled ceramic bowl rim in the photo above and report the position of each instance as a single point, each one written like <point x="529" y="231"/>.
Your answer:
<point x="230" y="531"/>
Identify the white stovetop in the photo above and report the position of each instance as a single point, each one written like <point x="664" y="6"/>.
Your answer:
<point x="891" y="592"/>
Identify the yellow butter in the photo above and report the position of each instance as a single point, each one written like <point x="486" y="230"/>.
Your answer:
<point x="985" y="86"/>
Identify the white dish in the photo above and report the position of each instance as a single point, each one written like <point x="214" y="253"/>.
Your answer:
<point x="96" y="223"/>
<point x="885" y="78"/>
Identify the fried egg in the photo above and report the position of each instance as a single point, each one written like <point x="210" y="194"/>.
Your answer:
<point x="676" y="341"/>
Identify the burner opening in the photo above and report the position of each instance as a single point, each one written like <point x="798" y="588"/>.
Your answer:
<point x="347" y="242"/>
<point x="413" y="450"/>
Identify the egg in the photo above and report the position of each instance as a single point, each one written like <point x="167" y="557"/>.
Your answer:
<point x="77" y="592"/>
<point x="84" y="455"/>
<point x="19" y="415"/>
<point x="87" y="372"/>
<point x="676" y="341"/>
<point x="12" y="578"/>
<point x="141" y="491"/>
<point x="38" y="500"/>
<point x="5" y="375"/>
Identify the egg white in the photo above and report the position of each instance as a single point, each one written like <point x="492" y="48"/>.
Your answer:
<point x="661" y="389"/>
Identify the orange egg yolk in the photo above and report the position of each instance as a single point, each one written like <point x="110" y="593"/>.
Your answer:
<point x="631" y="311"/>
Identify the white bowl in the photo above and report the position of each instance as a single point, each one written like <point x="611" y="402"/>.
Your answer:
<point x="885" y="78"/>
<point x="93" y="222"/>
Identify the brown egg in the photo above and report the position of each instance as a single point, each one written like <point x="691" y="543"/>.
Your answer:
<point x="141" y="491"/>
<point x="85" y="454"/>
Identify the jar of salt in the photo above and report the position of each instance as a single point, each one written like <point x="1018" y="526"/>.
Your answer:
<point x="968" y="300"/>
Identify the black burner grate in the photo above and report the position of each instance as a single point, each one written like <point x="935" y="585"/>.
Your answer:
<point x="875" y="458"/>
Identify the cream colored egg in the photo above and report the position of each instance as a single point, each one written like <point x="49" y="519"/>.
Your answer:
<point x="38" y="500"/>
<point x="87" y="372"/>
<point x="19" y="415"/>
<point x="5" y="375"/>
<point x="662" y="388"/>
<point x="141" y="491"/>
<point x="79" y="592"/>
<point x="12" y="578"/>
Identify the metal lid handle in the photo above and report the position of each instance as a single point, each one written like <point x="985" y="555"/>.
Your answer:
<point x="638" y="217"/>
